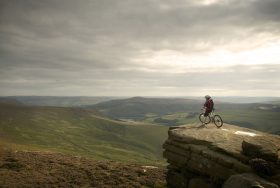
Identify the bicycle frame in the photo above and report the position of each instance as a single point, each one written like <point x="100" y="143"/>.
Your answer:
<point x="211" y="114"/>
<point x="212" y="117"/>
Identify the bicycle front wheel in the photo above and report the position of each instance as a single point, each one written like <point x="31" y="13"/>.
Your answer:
<point x="204" y="119"/>
<point x="218" y="121"/>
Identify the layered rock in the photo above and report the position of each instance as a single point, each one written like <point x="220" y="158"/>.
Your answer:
<point x="200" y="156"/>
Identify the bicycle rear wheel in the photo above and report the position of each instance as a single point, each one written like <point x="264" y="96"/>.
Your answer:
<point x="204" y="119"/>
<point x="218" y="121"/>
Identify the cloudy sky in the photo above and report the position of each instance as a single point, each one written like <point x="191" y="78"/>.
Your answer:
<point x="140" y="48"/>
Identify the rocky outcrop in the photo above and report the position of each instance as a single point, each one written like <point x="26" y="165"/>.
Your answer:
<point x="200" y="156"/>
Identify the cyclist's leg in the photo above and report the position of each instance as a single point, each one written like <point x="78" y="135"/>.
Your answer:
<point x="206" y="113"/>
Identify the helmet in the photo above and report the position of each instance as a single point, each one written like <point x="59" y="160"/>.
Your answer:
<point x="207" y="97"/>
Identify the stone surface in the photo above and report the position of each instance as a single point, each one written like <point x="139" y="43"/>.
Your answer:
<point x="199" y="182"/>
<point x="261" y="148"/>
<point x="175" y="159"/>
<point x="176" y="180"/>
<point x="261" y="167"/>
<point x="208" y="156"/>
<point x="276" y="179"/>
<point x="226" y="139"/>
<point x="248" y="181"/>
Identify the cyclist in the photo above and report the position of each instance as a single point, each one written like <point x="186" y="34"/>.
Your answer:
<point x="208" y="108"/>
<point x="208" y="105"/>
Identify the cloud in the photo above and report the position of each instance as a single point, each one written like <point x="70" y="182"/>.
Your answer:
<point x="132" y="47"/>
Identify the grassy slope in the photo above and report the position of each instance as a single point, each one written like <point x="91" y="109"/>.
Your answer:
<point x="181" y="117"/>
<point x="80" y="131"/>
<point x="262" y="120"/>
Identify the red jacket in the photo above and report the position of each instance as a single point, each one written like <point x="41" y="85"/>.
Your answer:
<point x="209" y="104"/>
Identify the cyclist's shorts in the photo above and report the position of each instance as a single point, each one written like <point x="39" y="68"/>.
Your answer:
<point x="207" y="113"/>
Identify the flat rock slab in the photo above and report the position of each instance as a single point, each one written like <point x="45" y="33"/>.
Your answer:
<point x="230" y="139"/>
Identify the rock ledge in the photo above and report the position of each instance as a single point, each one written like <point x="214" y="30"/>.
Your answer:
<point x="201" y="156"/>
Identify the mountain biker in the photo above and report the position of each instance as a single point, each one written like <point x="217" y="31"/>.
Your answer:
<point x="208" y="105"/>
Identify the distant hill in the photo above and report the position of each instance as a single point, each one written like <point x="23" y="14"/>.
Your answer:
<point x="62" y="101"/>
<point x="138" y="107"/>
<point x="178" y="111"/>
<point x="248" y="99"/>
<point x="81" y="131"/>
<point x="275" y="102"/>
<point x="9" y="101"/>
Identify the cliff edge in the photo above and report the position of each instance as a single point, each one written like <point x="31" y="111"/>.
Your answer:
<point x="231" y="156"/>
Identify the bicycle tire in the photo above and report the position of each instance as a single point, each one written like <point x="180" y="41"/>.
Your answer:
<point x="202" y="120"/>
<point x="218" y="121"/>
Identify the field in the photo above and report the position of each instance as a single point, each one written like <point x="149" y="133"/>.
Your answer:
<point x="262" y="120"/>
<point x="172" y="119"/>
<point x="81" y="131"/>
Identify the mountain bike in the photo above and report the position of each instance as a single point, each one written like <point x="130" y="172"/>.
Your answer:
<point x="216" y="119"/>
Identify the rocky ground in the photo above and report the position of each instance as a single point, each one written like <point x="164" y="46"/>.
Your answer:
<point x="229" y="157"/>
<point x="44" y="169"/>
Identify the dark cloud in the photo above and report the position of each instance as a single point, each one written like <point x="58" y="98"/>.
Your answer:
<point x="97" y="45"/>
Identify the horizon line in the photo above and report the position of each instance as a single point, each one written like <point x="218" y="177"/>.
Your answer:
<point x="136" y="96"/>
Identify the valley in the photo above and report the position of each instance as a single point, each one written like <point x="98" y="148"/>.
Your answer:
<point x="178" y="111"/>
<point x="81" y="131"/>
